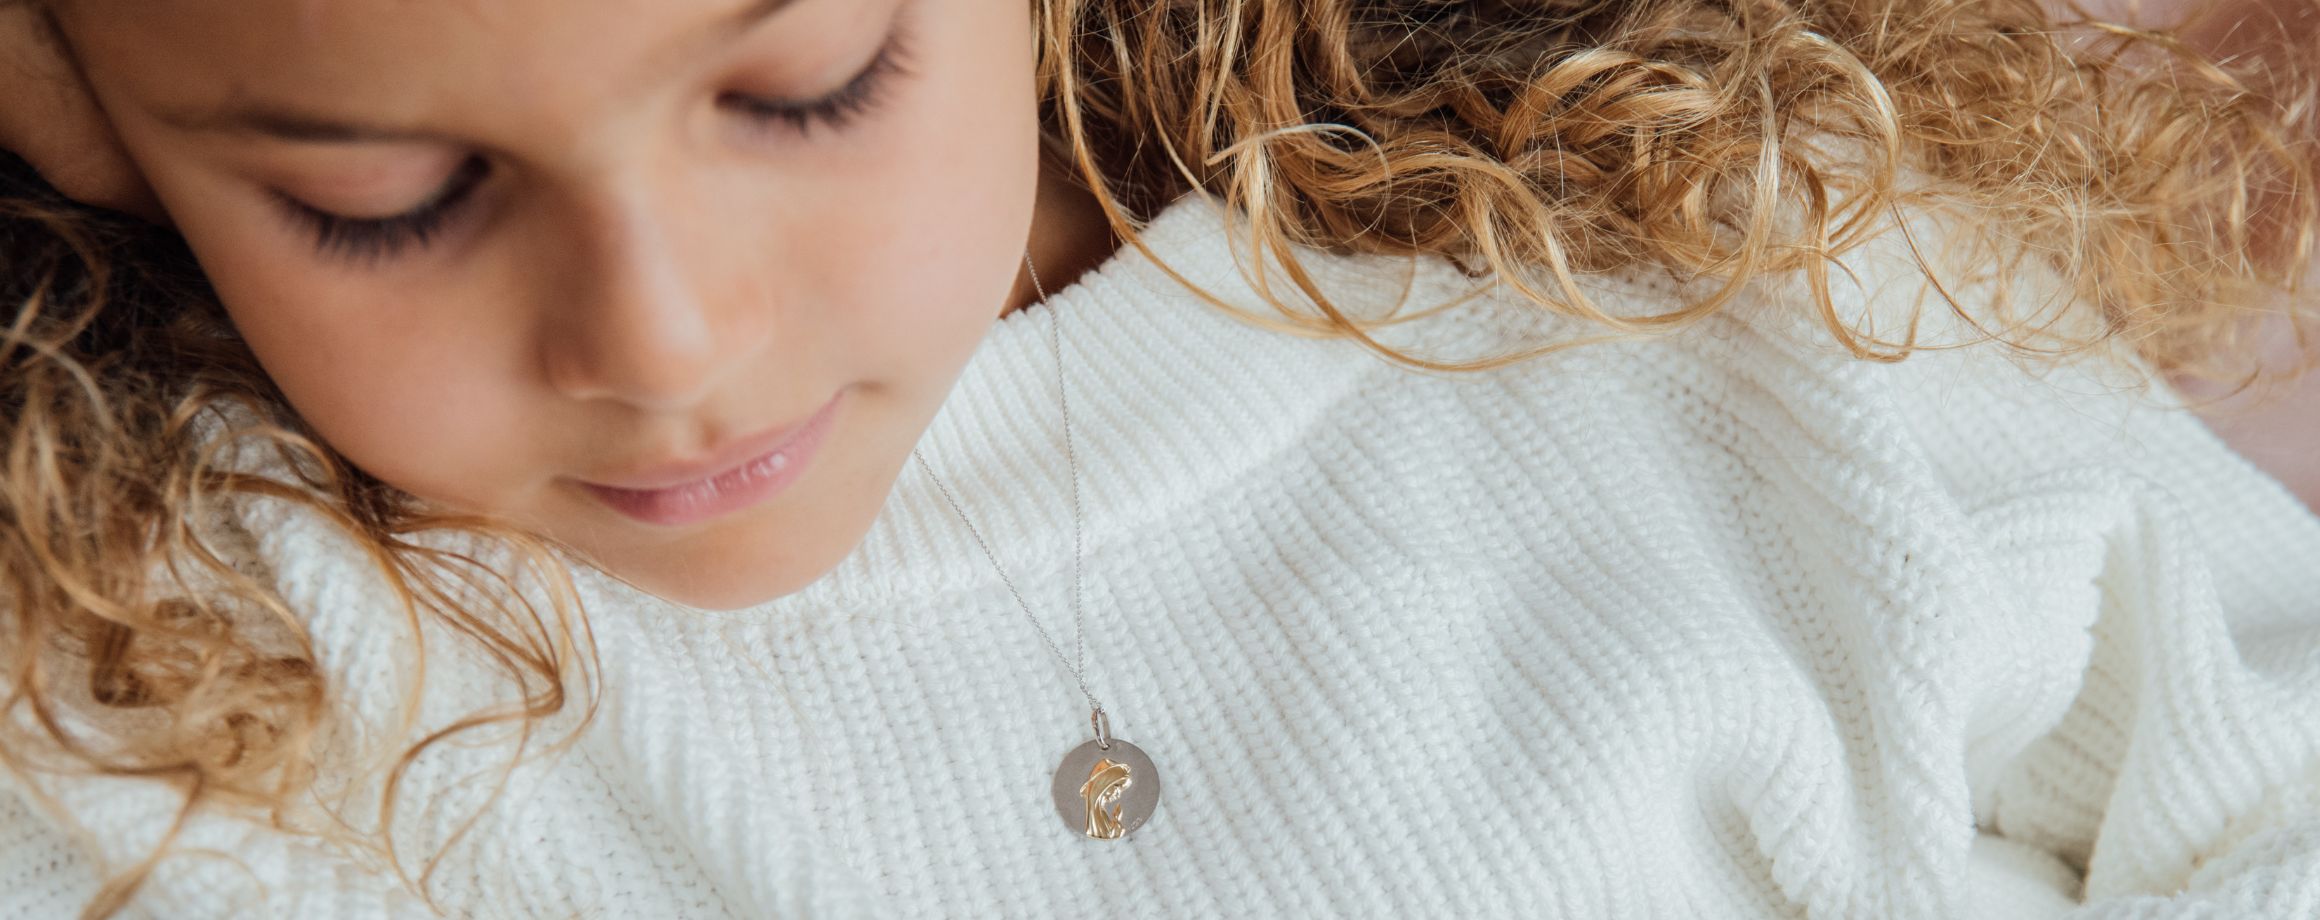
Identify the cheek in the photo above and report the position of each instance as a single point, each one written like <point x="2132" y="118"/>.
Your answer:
<point x="417" y="405"/>
<point x="936" y="236"/>
<point x="412" y="389"/>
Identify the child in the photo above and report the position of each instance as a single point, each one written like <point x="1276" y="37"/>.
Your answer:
<point x="1559" y="459"/>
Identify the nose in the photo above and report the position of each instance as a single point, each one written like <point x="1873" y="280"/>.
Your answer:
<point x="654" y="310"/>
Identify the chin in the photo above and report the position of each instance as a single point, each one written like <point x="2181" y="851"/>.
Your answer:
<point x="727" y="574"/>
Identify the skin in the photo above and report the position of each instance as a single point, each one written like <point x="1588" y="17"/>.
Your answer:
<point x="51" y="122"/>
<point x="645" y="271"/>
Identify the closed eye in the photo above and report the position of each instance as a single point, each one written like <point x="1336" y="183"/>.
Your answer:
<point x="840" y="108"/>
<point x="371" y="239"/>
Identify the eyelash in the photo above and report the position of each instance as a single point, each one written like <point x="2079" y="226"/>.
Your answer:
<point x="369" y="240"/>
<point x="373" y="239"/>
<point x="840" y="109"/>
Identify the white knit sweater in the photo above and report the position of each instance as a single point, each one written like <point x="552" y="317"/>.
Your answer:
<point x="1719" y="624"/>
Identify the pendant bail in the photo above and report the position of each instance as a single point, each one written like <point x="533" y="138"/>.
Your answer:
<point x="1103" y="727"/>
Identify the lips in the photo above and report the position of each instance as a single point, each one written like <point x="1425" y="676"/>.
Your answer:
<point x="745" y="474"/>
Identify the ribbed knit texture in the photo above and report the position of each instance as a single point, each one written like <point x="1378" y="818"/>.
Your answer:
<point x="1719" y="624"/>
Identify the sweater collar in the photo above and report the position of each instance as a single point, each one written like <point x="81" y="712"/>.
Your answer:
<point x="1171" y="398"/>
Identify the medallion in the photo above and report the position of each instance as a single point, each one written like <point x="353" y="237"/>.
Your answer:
<point x="1106" y="788"/>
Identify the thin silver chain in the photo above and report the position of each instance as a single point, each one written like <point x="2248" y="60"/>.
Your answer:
<point x="1079" y="647"/>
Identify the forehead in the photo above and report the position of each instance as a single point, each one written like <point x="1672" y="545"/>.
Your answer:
<point x="400" y="60"/>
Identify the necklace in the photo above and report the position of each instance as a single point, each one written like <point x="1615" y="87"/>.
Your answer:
<point x="1105" y="787"/>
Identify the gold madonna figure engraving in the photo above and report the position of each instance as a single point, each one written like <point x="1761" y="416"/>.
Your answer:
<point x="1107" y="781"/>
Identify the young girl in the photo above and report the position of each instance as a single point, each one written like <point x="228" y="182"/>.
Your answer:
<point x="1246" y="458"/>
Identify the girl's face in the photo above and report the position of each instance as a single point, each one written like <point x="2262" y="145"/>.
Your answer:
<point x="495" y="251"/>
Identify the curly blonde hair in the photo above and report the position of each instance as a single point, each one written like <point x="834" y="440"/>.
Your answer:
<point x="1531" y="142"/>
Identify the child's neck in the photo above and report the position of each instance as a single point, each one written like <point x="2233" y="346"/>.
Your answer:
<point x="1069" y="237"/>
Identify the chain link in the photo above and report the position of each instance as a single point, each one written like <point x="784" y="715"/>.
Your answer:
<point x="1079" y="610"/>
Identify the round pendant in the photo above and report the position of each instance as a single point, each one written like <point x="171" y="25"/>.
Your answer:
<point x="1103" y="792"/>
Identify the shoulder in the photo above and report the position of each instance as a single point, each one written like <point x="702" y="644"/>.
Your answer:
<point x="1763" y="392"/>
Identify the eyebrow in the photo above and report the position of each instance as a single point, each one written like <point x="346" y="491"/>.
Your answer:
<point x="291" y="124"/>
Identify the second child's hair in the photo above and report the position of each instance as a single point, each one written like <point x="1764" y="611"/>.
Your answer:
<point x="1532" y="143"/>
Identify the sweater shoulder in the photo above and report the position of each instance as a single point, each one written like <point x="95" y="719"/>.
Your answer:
<point x="1753" y="390"/>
